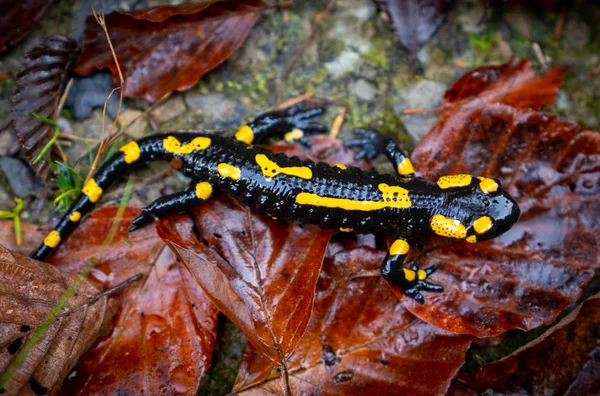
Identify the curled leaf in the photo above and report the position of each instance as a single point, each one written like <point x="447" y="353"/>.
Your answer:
<point x="29" y="292"/>
<point x="38" y="90"/>
<point x="525" y="277"/>
<point x="168" y="48"/>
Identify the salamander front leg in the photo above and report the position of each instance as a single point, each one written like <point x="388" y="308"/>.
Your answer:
<point x="292" y="124"/>
<point x="174" y="203"/>
<point x="373" y="143"/>
<point x="411" y="280"/>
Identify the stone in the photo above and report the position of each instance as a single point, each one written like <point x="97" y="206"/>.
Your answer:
<point x="173" y="107"/>
<point x="468" y="14"/>
<point x="362" y="89"/>
<point x="345" y="63"/>
<point x="520" y="20"/>
<point x="138" y="129"/>
<point x="576" y="32"/>
<point x="21" y="178"/>
<point x="218" y="110"/>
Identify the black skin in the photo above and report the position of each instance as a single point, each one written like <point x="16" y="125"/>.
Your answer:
<point x="278" y="194"/>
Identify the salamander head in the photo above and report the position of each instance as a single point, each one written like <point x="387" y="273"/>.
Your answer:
<point x="475" y="209"/>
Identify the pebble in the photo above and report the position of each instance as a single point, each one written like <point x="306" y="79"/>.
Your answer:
<point x="173" y="107"/>
<point x="21" y="178"/>
<point x="362" y="89"/>
<point x="343" y="64"/>
<point x="138" y="129"/>
<point x="424" y="94"/>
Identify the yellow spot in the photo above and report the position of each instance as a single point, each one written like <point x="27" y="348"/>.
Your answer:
<point x="399" y="247"/>
<point x="131" y="151"/>
<point x="53" y="239"/>
<point x="346" y="229"/>
<point x="393" y="197"/>
<point x="75" y="217"/>
<point x="271" y="216"/>
<point x="448" y="227"/>
<point x="270" y="169"/>
<point x="173" y="145"/>
<point x="409" y="274"/>
<point x="92" y="190"/>
<point x="422" y="274"/>
<point x="454" y="181"/>
<point x="406" y="167"/>
<point x="482" y="224"/>
<point x="341" y="166"/>
<point x="294" y="135"/>
<point x="487" y="185"/>
<point x="229" y="171"/>
<point x="203" y="190"/>
<point x="472" y="239"/>
<point x="245" y="134"/>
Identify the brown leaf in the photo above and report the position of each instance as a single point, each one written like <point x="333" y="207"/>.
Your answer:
<point x="552" y="363"/>
<point x="360" y="339"/>
<point x="168" y="48"/>
<point x="29" y="292"/>
<point x="164" y="335"/>
<point x="38" y="89"/>
<point x="415" y="21"/>
<point x="514" y="83"/>
<point x="525" y="277"/>
<point x="17" y="18"/>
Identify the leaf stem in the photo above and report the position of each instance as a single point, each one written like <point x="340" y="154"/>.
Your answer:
<point x="15" y="216"/>
<point x="52" y="140"/>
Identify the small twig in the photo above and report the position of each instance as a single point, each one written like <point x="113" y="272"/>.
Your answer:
<point x="318" y="21"/>
<point x="337" y="123"/>
<point x="48" y="145"/>
<point x="285" y="380"/>
<point x="293" y="101"/>
<point x="537" y="50"/>
<point x="418" y="111"/>
<point x="75" y="137"/>
<point x="364" y="274"/>
<point x="7" y="76"/>
<point x="63" y="98"/>
<point x="560" y="23"/>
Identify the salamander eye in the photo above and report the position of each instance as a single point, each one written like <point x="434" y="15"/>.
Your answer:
<point x="486" y="202"/>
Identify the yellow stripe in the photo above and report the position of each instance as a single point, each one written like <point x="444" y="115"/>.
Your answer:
<point x="229" y="171"/>
<point x="399" y="247"/>
<point x="173" y="145"/>
<point x="92" y="190"/>
<point x="406" y="167"/>
<point x="393" y="197"/>
<point x="292" y="136"/>
<point x="341" y="166"/>
<point x="203" y="190"/>
<point x="454" y="181"/>
<point x="409" y="274"/>
<point x="346" y="229"/>
<point x="488" y="185"/>
<point x="75" y="217"/>
<point x="131" y="151"/>
<point x="53" y="239"/>
<point x="270" y="169"/>
<point x="446" y="227"/>
<point x="482" y="224"/>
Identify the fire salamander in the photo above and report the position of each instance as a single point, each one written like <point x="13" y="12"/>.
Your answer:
<point x="403" y="206"/>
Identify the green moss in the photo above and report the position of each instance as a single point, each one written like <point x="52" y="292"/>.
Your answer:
<point x="482" y="42"/>
<point x="377" y="57"/>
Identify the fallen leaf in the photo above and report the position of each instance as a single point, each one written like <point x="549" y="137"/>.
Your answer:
<point x="168" y="48"/>
<point x="552" y="363"/>
<point x="515" y="83"/>
<point x="30" y="290"/>
<point x="415" y="21"/>
<point x="164" y="334"/>
<point x="525" y="277"/>
<point x="38" y="89"/>
<point x="360" y="338"/>
<point x="260" y="273"/>
<point x="17" y="18"/>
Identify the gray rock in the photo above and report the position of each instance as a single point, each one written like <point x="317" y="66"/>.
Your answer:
<point x="362" y="89"/>
<point x="218" y="110"/>
<point x="468" y="14"/>
<point x="418" y="125"/>
<point x="139" y="123"/>
<point x="90" y="93"/>
<point x="424" y="94"/>
<point x="173" y="107"/>
<point x="343" y="64"/>
<point x="21" y="178"/>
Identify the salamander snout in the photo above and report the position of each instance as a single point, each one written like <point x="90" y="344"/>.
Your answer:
<point x="501" y="214"/>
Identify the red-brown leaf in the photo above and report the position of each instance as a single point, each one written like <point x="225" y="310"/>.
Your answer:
<point x="261" y="273"/>
<point x="525" y="277"/>
<point x="514" y="83"/>
<point x="17" y="18"/>
<point x="164" y="335"/>
<point x="552" y="363"/>
<point x="38" y="89"/>
<point x="168" y="48"/>
<point x="29" y="291"/>
<point x="360" y="339"/>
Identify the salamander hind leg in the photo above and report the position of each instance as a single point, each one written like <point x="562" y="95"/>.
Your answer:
<point x="174" y="203"/>
<point x="411" y="280"/>
<point x="372" y="143"/>
<point x="292" y="124"/>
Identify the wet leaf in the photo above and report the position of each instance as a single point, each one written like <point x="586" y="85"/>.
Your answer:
<point x="415" y="21"/>
<point x="514" y="83"/>
<point x="38" y="89"/>
<point x="260" y="273"/>
<point x="360" y="338"/>
<point x="525" y="277"/>
<point x="558" y="362"/>
<point x="17" y="18"/>
<point x="168" y="48"/>
<point x="29" y="292"/>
